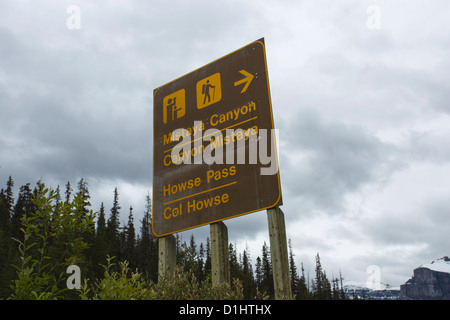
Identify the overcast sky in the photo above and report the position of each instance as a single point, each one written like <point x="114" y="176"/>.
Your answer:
<point x="360" y="93"/>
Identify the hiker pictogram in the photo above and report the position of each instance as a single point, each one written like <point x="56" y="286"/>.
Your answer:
<point x="205" y="90"/>
<point x="209" y="91"/>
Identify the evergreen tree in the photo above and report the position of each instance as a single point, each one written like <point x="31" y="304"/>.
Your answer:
<point x="68" y="192"/>
<point x="322" y="290"/>
<point x="318" y="285"/>
<point x="84" y="191"/>
<point x="5" y="219"/>
<point x="147" y="246"/>
<point x="258" y="273"/>
<point x="100" y="246"/>
<point x="234" y="264"/>
<point x="302" y="289"/>
<point x="335" y="289"/>
<point x="8" y="201"/>
<point x="190" y="263"/>
<point x="113" y="228"/>
<point x="326" y="287"/>
<point x="266" y="271"/>
<point x="200" y="272"/>
<point x="24" y="205"/>
<point x="101" y="221"/>
<point x="6" y="206"/>
<point x="180" y="252"/>
<point x="88" y="237"/>
<point x="9" y="195"/>
<point x="207" y="267"/>
<point x="293" y="273"/>
<point x="248" y="280"/>
<point x="57" y="199"/>
<point x="7" y="247"/>
<point x="130" y="241"/>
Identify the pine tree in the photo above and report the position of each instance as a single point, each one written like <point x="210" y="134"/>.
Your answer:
<point x="180" y="252"/>
<point x="200" y="272"/>
<point x="24" y="205"/>
<point x="57" y="199"/>
<point x="7" y="247"/>
<point x="6" y="206"/>
<point x="147" y="246"/>
<point x="266" y="270"/>
<point x="326" y="287"/>
<point x="190" y="263"/>
<point x="68" y="192"/>
<point x="293" y="272"/>
<point x="258" y="273"/>
<point x="207" y="267"/>
<point x="322" y="290"/>
<point x="318" y="284"/>
<point x="100" y="245"/>
<point x="234" y="264"/>
<point x="248" y="280"/>
<point x="146" y="222"/>
<point x="84" y="191"/>
<point x="113" y="228"/>
<point x="9" y="195"/>
<point x="9" y="200"/>
<point x="335" y="289"/>
<point x="129" y="251"/>
<point x="5" y="219"/>
<point x="303" y="293"/>
<point x="88" y="237"/>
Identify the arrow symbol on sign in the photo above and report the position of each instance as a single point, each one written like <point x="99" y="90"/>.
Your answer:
<point x="248" y="78"/>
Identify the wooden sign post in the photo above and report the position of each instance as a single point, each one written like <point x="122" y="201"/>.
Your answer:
<point x="279" y="254"/>
<point x="167" y="249"/>
<point x="220" y="263"/>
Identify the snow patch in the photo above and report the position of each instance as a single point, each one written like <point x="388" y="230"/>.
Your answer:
<point x="440" y="265"/>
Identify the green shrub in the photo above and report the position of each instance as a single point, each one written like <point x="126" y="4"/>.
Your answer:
<point x="181" y="285"/>
<point x="115" y="285"/>
<point x="52" y="240"/>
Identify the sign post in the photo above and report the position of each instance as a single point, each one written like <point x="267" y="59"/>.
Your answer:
<point x="214" y="154"/>
<point x="167" y="249"/>
<point x="220" y="263"/>
<point x="279" y="254"/>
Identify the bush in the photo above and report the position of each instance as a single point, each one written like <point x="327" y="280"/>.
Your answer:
<point x="181" y="285"/>
<point x="52" y="240"/>
<point x="118" y="285"/>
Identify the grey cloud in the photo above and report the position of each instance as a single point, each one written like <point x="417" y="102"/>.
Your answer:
<point x="336" y="159"/>
<point x="423" y="225"/>
<point x="427" y="146"/>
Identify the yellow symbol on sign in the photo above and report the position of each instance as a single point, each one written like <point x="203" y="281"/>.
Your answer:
<point x="248" y="78"/>
<point x="174" y="106"/>
<point x="209" y="91"/>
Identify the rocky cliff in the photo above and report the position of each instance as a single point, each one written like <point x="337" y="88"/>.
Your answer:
<point x="429" y="282"/>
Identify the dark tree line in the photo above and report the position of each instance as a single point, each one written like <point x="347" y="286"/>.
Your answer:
<point x="140" y="248"/>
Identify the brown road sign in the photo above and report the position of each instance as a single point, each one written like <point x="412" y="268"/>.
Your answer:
<point x="214" y="154"/>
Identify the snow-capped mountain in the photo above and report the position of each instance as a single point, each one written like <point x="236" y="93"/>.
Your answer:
<point x="439" y="265"/>
<point x="431" y="281"/>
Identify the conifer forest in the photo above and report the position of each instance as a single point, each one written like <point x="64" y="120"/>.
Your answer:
<point x="44" y="230"/>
